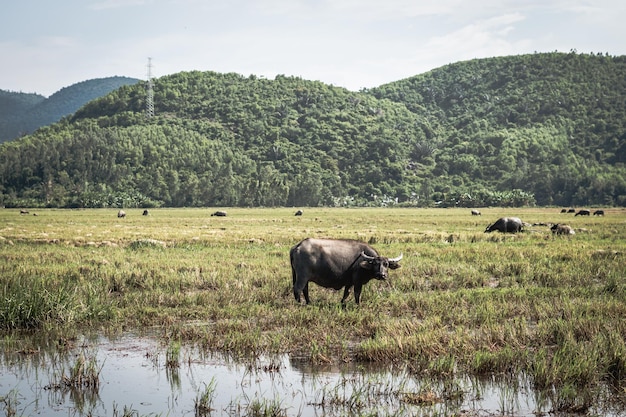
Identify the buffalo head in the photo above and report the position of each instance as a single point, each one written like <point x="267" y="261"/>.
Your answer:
<point x="379" y="265"/>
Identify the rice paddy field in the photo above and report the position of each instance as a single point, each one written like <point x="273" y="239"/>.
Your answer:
<point x="464" y="302"/>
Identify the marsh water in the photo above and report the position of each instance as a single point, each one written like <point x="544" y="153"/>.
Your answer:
<point x="140" y="375"/>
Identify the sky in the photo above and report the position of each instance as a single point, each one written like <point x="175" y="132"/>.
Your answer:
<point x="47" y="45"/>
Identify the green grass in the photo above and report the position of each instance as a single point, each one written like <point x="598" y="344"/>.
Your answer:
<point x="553" y="307"/>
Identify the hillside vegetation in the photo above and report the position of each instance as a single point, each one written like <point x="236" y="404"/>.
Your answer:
<point x="23" y="113"/>
<point x="552" y="124"/>
<point x="545" y="129"/>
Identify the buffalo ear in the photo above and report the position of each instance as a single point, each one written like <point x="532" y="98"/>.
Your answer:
<point x="394" y="265"/>
<point x="365" y="264"/>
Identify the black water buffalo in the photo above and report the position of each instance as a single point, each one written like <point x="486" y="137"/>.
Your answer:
<point x="582" y="212"/>
<point x="336" y="264"/>
<point x="219" y="213"/>
<point x="562" y="229"/>
<point x="475" y="212"/>
<point x="121" y="213"/>
<point x="145" y="213"/>
<point x="506" y="225"/>
<point x="299" y="213"/>
<point x="598" y="213"/>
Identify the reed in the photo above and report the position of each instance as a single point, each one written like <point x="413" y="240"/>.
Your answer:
<point x="204" y="399"/>
<point x="264" y="408"/>
<point x="9" y="402"/>
<point x="172" y="355"/>
<point x="83" y="374"/>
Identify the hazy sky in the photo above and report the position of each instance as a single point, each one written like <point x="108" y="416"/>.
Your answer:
<point x="46" y="45"/>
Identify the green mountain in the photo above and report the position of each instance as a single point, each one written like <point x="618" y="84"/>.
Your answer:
<point x="13" y="107"/>
<point x="545" y="129"/>
<point x="552" y="124"/>
<point x="22" y="113"/>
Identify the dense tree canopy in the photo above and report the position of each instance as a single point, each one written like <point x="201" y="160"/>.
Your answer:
<point x="551" y="124"/>
<point x="542" y="128"/>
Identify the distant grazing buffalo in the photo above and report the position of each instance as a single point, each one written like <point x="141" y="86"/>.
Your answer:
<point x="121" y="213"/>
<point x="563" y="210"/>
<point x="562" y="229"/>
<point x="23" y="211"/>
<point x="598" y="213"/>
<point x="337" y="264"/>
<point x="299" y="213"/>
<point x="145" y="213"/>
<point x="475" y="212"/>
<point x="506" y="225"/>
<point x="219" y="213"/>
<point x="571" y="210"/>
<point x="583" y="212"/>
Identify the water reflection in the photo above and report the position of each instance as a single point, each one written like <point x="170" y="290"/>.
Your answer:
<point x="139" y="376"/>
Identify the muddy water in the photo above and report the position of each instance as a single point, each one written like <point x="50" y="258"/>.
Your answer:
<point x="137" y="376"/>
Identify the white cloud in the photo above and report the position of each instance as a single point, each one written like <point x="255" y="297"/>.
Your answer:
<point x="350" y="43"/>
<point x="117" y="4"/>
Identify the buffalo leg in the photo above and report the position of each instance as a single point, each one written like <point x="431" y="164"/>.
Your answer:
<point x="297" y="289"/>
<point x="346" y="293"/>
<point x="305" y="291"/>
<point x="357" y="293"/>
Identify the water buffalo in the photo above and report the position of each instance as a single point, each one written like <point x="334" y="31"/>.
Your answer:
<point x="562" y="229"/>
<point x="145" y="213"/>
<point x="582" y="212"/>
<point x="121" y="213"/>
<point x="475" y="212"/>
<point x="598" y="213"/>
<point x="299" y="213"/>
<point x="506" y="225"/>
<point x="219" y="213"/>
<point x="337" y="264"/>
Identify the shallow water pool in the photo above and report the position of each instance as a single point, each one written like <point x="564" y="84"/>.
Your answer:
<point x="139" y="376"/>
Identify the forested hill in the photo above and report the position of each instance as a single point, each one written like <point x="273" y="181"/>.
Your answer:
<point x="552" y="124"/>
<point x="23" y="113"/>
<point x="541" y="128"/>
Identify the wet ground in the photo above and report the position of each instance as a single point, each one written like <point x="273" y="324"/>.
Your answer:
<point x="139" y="376"/>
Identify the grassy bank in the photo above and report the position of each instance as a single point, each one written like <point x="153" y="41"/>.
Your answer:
<point x="463" y="301"/>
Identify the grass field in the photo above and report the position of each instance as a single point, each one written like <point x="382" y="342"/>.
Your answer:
<point x="552" y="307"/>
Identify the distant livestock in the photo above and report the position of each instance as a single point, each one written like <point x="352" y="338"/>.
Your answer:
<point x="583" y="212"/>
<point x="337" y="264"/>
<point x="598" y="213"/>
<point x="219" y="213"/>
<point x="506" y="225"/>
<point x="23" y="211"/>
<point x="562" y="229"/>
<point x="563" y="210"/>
<point x="571" y="210"/>
<point x="299" y="213"/>
<point x="121" y="213"/>
<point x="475" y="212"/>
<point x="145" y="213"/>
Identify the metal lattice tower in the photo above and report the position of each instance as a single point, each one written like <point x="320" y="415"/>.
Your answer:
<point x="149" y="92"/>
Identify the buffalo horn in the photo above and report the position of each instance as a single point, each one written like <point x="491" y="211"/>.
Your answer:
<point x="396" y="259"/>
<point x="367" y="257"/>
